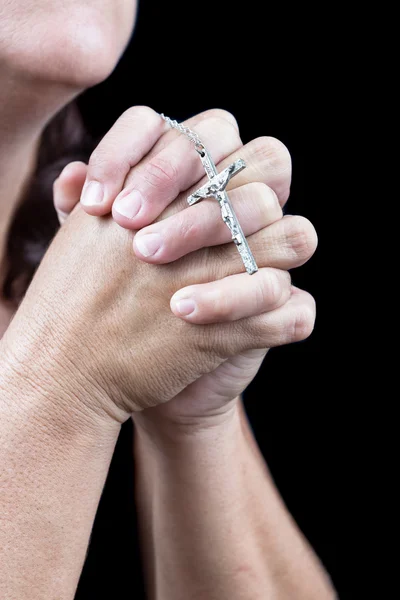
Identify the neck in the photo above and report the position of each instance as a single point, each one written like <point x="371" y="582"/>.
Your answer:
<point x="17" y="162"/>
<point x="25" y="109"/>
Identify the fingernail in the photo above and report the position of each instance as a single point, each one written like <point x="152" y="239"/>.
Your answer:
<point x="129" y="205"/>
<point x="148" y="244"/>
<point x="93" y="194"/>
<point x="185" y="307"/>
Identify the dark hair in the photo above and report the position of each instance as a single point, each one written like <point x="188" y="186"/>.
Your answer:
<point x="35" y="221"/>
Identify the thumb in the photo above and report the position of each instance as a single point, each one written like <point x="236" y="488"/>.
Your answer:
<point x="67" y="189"/>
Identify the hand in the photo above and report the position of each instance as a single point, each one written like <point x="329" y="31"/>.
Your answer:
<point x="255" y="203"/>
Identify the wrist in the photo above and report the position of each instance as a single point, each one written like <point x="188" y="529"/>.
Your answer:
<point x="50" y="396"/>
<point x="175" y="436"/>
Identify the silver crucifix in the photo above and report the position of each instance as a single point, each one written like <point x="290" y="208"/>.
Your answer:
<point x="216" y="187"/>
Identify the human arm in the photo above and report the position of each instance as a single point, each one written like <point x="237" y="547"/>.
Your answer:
<point x="213" y="524"/>
<point x="85" y="312"/>
<point x="54" y="458"/>
<point x="68" y="288"/>
<point x="173" y="570"/>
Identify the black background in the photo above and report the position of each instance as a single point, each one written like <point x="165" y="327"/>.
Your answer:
<point x="259" y="63"/>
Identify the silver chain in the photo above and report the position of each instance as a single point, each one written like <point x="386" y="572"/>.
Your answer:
<point x="191" y="135"/>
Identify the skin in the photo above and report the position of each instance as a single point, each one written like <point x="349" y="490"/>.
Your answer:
<point x="76" y="45"/>
<point x="201" y="438"/>
<point x="288" y="242"/>
<point x="62" y="403"/>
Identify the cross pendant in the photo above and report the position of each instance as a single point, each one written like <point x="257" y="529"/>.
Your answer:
<point x="215" y="187"/>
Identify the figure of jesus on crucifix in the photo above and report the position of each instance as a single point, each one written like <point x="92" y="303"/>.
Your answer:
<point x="215" y="187"/>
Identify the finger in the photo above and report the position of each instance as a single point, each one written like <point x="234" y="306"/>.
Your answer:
<point x="292" y="322"/>
<point x="201" y="225"/>
<point x="132" y="136"/>
<point x="67" y="188"/>
<point x="267" y="161"/>
<point x="156" y="182"/>
<point x="232" y="298"/>
<point x="172" y="134"/>
<point x="286" y="244"/>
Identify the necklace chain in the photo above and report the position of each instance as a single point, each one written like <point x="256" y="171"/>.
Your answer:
<point x="189" y="133"/>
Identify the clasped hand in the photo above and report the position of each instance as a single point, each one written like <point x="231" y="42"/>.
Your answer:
<point x="157" y="313"/>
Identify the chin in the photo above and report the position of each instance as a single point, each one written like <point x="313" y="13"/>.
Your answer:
<point x="79" y="51"/>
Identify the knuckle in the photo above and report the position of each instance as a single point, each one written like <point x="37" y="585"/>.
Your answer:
<point x="221" y="306"/>
<point x="160" y="172"/>
<point x="301" y="237"/>
<point x="221" y="114"/>
<point x="139" y="112"/>
<point x="104" y="165"/>
<point x="272" y="157"/>
<point x="219" y="125"/>
<point x="302" y="323"/>
<point x="274" y="151"/>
